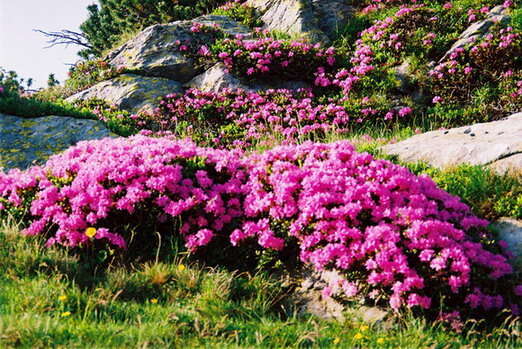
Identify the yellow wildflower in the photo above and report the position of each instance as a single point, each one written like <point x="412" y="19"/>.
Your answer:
<point x="62" y="298"/>
<point x="337" y="340"/>
<point x="364" y="328"/>
<point x="154" y="300"/>
<point x="358" y="336"/>
<point x="181" y="267"/>
<point x="380" y="340"/>
<point x="66" y="314"/>
<point x="90" y="232"/>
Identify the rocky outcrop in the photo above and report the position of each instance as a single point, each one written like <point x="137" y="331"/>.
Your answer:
<point x="218" y="78"/>
<point x="130" y="92"/>
<point x="478" y="29"/>
<point x="26" y="141"/>
<point x="214" y="79"/>
<point x="497" y="144"/>
<point x="156" y="50"/>
<point x="317" y="20"/>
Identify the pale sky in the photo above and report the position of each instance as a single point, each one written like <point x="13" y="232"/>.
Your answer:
<point x="22" y="49"/>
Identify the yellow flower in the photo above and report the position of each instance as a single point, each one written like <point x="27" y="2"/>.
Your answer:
<point x="337" y="340"/>
<point x="380" y="340"/>
<point x="65" y="314"/>
<point x="90" y="232"/>
<point x="62" y="298"/>
<point x="181" y="267"/>
<point x="154" y="300"/>
<point x="364" y="328"/>
<point x="358" y="336"/>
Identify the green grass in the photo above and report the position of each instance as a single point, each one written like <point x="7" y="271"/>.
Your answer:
<point x="49" y="298"/>
<point x="14" y="104"/>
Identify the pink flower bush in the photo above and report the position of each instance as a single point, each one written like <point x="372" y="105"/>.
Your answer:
<point x="94" y="182"/>
<point x="253" y="115"/>
<point x="494" y="60"/>
<point x="391" y="236"/>
<point x="389" y="232"/>
<point x="270" y="57"/>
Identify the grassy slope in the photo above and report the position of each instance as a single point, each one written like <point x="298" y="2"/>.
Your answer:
<point x="50" y="299"/>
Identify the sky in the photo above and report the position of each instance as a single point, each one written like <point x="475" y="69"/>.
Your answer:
<point x="23" y="50"/>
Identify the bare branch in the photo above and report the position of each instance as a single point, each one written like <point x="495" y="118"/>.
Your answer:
<point x="65" y="37"/>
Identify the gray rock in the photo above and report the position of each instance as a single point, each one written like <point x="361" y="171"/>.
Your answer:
<point x="497" y="144"/>
<point x="478" y="29"/>
<point x="130" y="92"/>
<point x="510" y="230"/>
<point x="218" y="78"/>
<point x="154" y="52"/>
<point x="25" y="141"/>
<point x="316" y="20"/>
<point x="370" y="315"/>
<point x="215" y="79"/>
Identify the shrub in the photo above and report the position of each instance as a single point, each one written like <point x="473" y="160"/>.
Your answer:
<point x="488" y="73"/>
<point x="393" y="237"/>
<point x="89" y="193"/>
<point x="239" y="117"/>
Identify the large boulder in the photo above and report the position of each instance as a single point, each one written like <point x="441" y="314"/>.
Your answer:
<point x="497" y="144"/>
<point x="155" y="51"/>
<point x="130" y="92"/>
<point x="25" y="141"/>
<point x="218" y="78"/>
<point x="316" y="20"/>
<point x="475" y="31"/>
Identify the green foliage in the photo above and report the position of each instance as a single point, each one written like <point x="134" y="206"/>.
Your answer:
<point x="112" y="19"/>
<point x="490" y="195"/>
<point x="241" y="13"/>
<point x="14" y="101"/>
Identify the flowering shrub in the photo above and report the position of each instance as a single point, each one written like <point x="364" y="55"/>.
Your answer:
<point x="139" y="180"/>
<point x="270" y="57"/>
<point x="241" y="12"/>
<point x="88" y="73"/>
<point x="493" y="63"/>
<point x="392" y="236"/>
<point x="239" y="117"/>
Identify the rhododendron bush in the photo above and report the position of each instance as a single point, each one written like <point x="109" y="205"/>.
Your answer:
<point x="392" y="236"/>
<point x="240" y="117"/>
<point x="109" y="183"/>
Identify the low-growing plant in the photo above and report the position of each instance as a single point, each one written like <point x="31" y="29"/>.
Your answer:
<point x="393" y="238"/>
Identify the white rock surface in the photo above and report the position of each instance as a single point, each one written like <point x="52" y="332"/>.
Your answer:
<point x="497" y="144"/>
<point x="130" y="92"/>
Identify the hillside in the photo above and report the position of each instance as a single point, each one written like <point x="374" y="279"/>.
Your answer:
<point x="269" y="173"/>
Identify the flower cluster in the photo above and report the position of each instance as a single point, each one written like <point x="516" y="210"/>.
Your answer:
<point x="105" y="184"/>
<point x="390" y="235"/>
<point x="493" y="61"/>
<point x="229" y="115"/>
<point x="293" y="60"/>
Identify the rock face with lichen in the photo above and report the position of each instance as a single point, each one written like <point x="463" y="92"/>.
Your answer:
<point x="317" y="20"/>
<point x="218" y="78"/>
<point x="156" y="50"/>
<point x="129" y="91"/>
<point x="25" y="141"/>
